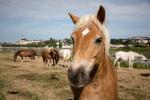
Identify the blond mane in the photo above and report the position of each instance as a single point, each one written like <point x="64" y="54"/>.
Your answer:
<point x="87" y="20"/>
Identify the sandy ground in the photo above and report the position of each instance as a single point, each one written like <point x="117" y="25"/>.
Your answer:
<point x="34" y="81"/>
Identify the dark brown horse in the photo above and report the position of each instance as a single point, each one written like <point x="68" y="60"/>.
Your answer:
<point x="25" y="53"/>
<point x="50" y="54"/>
<point x="92" y="75"/>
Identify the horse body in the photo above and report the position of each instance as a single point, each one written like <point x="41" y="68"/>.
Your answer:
<point x="25" y="53"/>
<point x="65" y="54"/>
<point x="46" y="56"/>
<point x="127" y="56"/>
<point x="92" y="75"/>
<point x="54" y="53"/>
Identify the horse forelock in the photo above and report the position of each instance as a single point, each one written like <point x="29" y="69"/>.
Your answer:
<point x="87" y="20"/>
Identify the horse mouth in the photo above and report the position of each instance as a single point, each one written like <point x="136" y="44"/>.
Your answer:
<point x="80" y="85"/>
<point x="77" y="85"/>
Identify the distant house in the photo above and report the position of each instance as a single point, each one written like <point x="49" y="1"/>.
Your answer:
<point x="67" y="46"/>
<point x="117" y="46"/>
<point x="139" y="39"/>
<point x="25" y="41"/>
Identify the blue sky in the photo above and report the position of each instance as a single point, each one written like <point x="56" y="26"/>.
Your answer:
<point x="42" y="19"/>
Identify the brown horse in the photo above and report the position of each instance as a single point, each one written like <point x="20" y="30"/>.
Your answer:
<point x="25" y="53"/>
<point x="54" y="53"/>
<point x="50" y="54"/>
<point x="92" y="75"/>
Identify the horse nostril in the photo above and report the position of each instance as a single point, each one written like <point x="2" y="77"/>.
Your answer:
<point x="82" y="74"/>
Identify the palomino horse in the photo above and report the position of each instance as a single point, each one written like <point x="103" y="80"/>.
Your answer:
<point x="128" y="56"/>
<point x="92" y="75"/>
<point x="25" y="53"/>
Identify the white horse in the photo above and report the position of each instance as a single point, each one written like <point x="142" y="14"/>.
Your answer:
<point x="65" y="55"/>
<point x="128" y="56"/>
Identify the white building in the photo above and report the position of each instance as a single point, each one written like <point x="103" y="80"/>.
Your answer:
<point x="25" y="41"/>
<point x="67" y="46"/>
<point x="139" y="39"/>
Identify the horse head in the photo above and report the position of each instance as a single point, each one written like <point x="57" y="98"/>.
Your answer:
<point x="143" y="57"/>
<point x="90" y="46"/>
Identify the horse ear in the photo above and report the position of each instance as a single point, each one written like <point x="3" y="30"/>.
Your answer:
<point x="101" y="14"/>
<point x="74" y="18"/>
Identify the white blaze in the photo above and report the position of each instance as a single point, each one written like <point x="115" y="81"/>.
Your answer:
<point x="85" y="31"/>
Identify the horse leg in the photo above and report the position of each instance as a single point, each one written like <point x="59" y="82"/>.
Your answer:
<point x="22" y="59"/>
<point x="115" y="61"/>
<point x="118" y="64"/>
<point x="45" y="61"/>
<point x="129" y="64"/>
<point x="132" y="65"/>
<point x="147" y="65"/>
<point x="50" y="61"/>
<point x="54" y="61"/>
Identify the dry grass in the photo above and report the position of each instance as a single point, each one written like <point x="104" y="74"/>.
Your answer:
<point x="33" y="81"/>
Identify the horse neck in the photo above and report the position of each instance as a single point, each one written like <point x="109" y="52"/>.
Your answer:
<point x="137" y="55"/>
<point x="101" y="70"/>
<point x="105" y="79"/>
<point x="104" y="71"/>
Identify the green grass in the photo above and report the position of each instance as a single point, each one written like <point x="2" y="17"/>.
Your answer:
<point x="135" y="65"/>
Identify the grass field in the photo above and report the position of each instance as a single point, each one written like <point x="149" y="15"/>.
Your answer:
<point x="33" y="81"/>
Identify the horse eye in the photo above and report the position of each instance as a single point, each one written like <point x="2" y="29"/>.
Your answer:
<point x="98" y="40"/>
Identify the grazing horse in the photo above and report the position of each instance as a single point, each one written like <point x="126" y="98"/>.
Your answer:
<point x="54" y="53"/>
<point x="49" y="54"/>
<point x="128" y="56"/>
<point x="25" y="53"/>
<point x="46" y="56"/>
<point x="92" y="75"/>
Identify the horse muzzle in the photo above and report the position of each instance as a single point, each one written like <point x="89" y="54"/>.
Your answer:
<point x="78" y="77"/>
